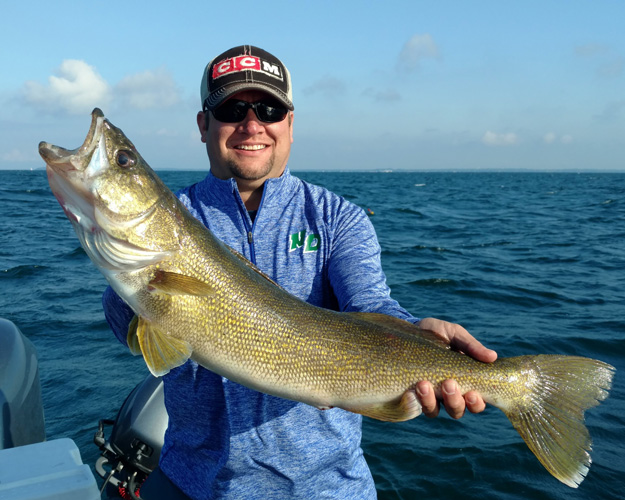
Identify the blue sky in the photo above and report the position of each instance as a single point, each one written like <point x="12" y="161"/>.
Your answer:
<point x="413" y="84"/>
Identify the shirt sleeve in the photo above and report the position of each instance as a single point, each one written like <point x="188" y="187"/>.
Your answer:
<point x="355" y="267"/>
<point x="117" y="313"/>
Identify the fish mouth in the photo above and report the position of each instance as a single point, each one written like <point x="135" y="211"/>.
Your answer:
<point x="62" y="160"/>
<point x="68" y="176"/>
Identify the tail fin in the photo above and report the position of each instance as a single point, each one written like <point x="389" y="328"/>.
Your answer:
<point x="551" y="419"/>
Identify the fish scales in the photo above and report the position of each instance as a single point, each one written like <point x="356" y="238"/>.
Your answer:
<point x="196" y="298"/>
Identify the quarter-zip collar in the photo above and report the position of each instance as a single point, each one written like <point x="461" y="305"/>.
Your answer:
<point x="223" y="196"/>
<point x="275" y="192"/>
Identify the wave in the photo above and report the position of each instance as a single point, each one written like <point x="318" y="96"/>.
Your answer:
<point x="22" y="271"/>
<point x="27" y="191"/>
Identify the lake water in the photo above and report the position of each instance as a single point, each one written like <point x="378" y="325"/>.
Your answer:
<point x="527" y="262"/>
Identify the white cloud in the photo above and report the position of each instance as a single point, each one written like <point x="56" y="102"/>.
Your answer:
<point x="16" y="156"/>
<point x="551" y="138"/>
<point x="610" y="63"/>
<point x="384" y="95"/>
<point x="76" y="89"/>
<point x="165" y="132"/>
<point x="494" y="139"/>
<point x="612" y="68"/>
<point x="416" y="49"/>
<point x="149" y="89"/>
<point x="328" y="85"/>
<point x="591" y="50"/>
<point x="613" y="111"/>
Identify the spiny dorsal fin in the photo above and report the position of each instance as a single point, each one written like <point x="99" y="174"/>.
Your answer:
<point x="251" y="266"/>
<point x="161" y="352"/>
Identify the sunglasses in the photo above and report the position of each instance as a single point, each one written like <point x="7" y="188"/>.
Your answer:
<point x="234" y="110"/>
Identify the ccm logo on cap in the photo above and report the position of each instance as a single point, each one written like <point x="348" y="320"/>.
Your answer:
<point x="243" y="63"/>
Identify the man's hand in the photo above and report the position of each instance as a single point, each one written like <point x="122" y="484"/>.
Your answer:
<point x="455" y="403"/>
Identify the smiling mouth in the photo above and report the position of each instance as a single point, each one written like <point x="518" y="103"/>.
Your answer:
<point x="251" y="147"/>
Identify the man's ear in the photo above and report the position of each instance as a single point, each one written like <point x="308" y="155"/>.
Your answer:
<point x="202" y="123"/>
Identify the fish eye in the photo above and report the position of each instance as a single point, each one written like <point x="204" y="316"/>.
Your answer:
<point x="125" y="158"/>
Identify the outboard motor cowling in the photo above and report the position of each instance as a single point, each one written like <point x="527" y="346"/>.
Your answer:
<point x="136" y="440"/>
<point x="21" y="407"/>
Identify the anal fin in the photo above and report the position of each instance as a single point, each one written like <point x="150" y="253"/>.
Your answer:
<point x="405" y="408"/>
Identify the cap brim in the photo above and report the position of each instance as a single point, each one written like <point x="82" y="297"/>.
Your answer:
<point x="219" y="96"/>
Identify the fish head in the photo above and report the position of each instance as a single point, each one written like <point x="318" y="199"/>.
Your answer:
<point x="113" y="198"/>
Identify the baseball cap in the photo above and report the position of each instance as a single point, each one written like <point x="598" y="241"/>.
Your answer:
<point x="243" y="68"/>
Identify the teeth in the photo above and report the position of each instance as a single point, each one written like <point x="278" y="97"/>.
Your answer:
<point x="251" y="147"/>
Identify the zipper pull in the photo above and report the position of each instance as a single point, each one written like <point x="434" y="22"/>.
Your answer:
<point x="250" y="237"/>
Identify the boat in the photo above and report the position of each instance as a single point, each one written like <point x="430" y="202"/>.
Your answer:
<point x="32" y="467"/>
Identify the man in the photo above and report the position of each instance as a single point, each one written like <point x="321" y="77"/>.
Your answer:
<point x="229" y="442"/>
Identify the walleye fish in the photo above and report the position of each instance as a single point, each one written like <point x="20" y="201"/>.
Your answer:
<point x="196" y="298"/>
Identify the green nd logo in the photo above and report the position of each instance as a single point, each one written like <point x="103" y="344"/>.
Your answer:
<point x="310" y="242"/>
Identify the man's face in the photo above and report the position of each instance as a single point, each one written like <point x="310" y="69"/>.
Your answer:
<point x="249" y="150"/>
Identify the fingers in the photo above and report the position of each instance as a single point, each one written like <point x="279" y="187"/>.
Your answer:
<point x="463" y="341"/>
<point x="475" y="403"/>
<point x="459" y="339"/>
<point x="453" y="400"/>
<point x="427" y="398"/>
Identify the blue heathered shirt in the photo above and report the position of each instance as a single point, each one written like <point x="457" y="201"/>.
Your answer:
<point x="225" y="441"/>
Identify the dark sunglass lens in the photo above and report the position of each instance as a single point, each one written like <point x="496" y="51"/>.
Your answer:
<point x="231" y="111"/>
<point x="270" y="112"/>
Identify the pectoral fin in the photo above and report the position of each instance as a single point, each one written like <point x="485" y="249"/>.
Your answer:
<point x="404" y="408"/>
<point x="171" y="283"/>
<point x="160" y="351"/>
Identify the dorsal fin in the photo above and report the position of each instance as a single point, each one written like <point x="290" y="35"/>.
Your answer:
<point x="400" y="325"/>
<point x="251" y="266"/>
